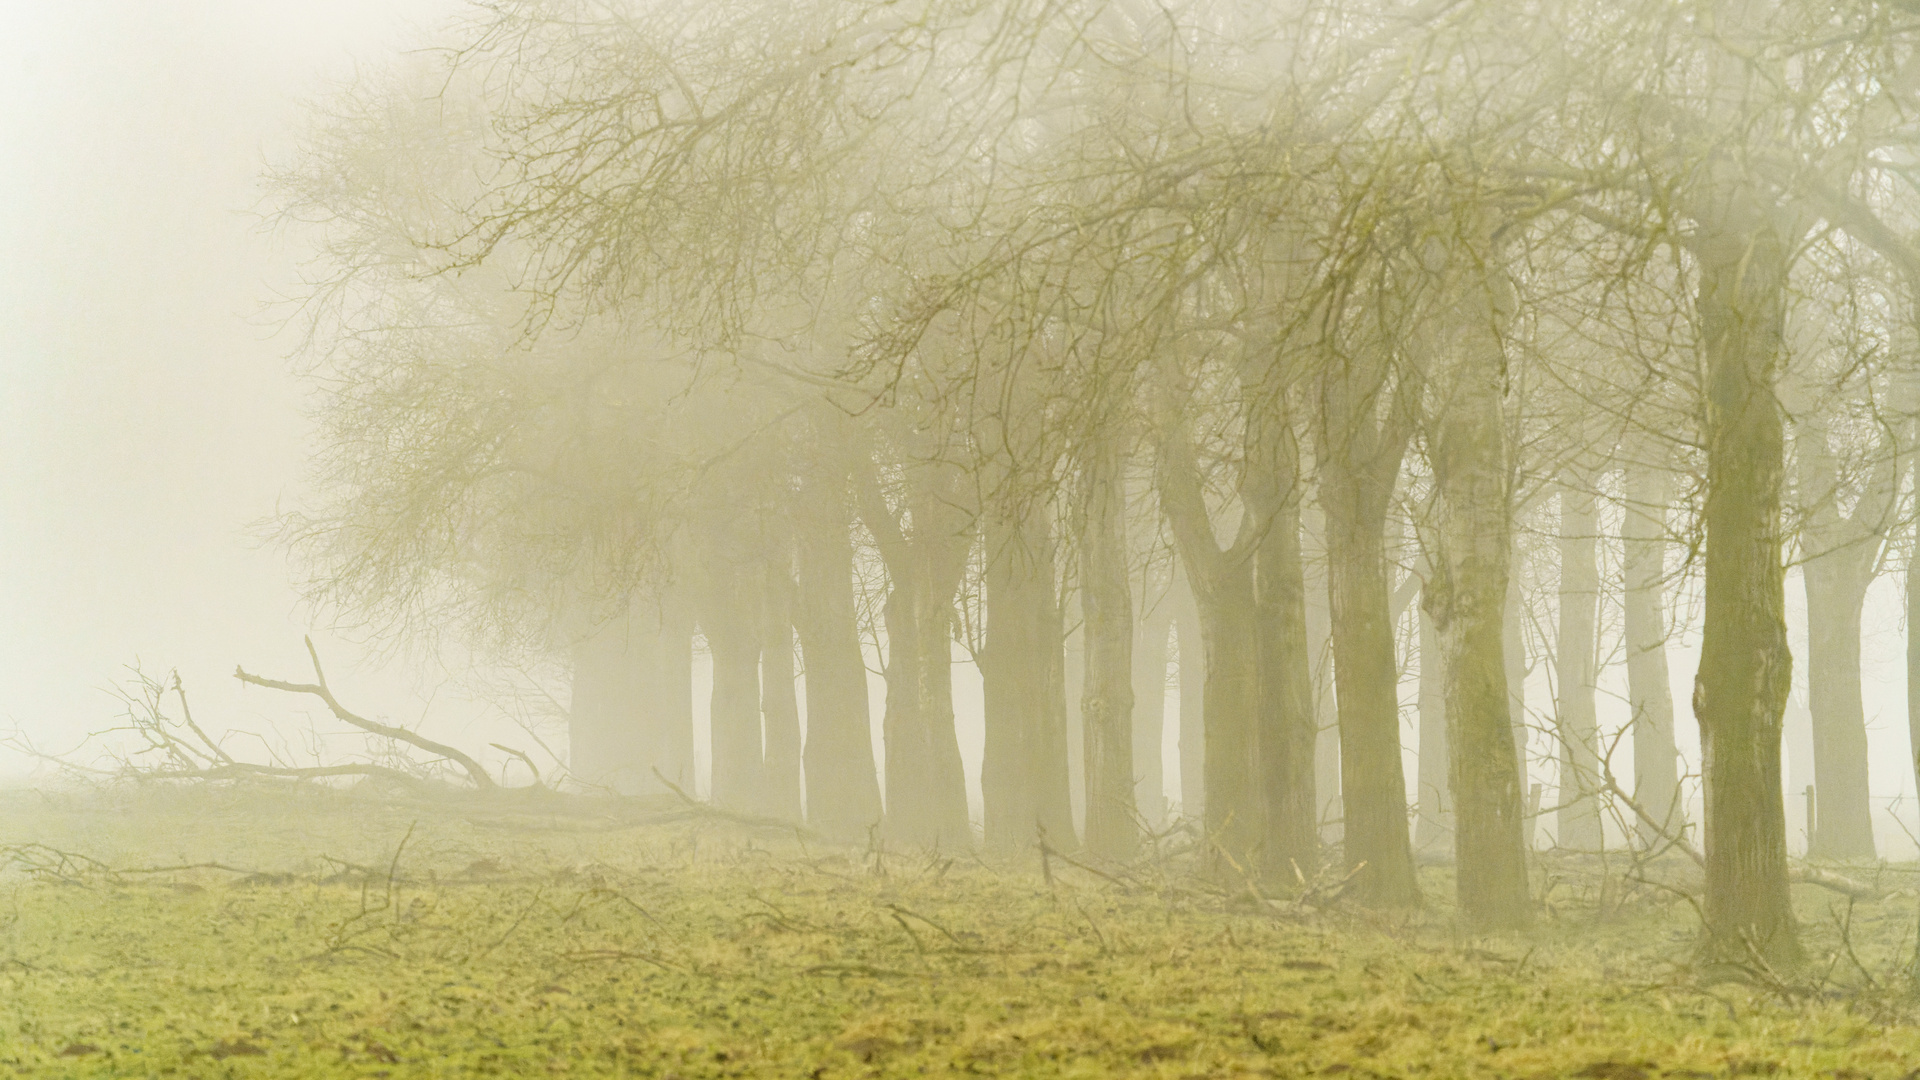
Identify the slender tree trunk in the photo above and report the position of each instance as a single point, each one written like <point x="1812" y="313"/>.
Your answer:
<point x="1576" y="657"/>
<point x="1745" y="670"/>
<point x="1023" y="774"/>
<point x="1843" y="820"/>
<point x="1843" y="555"/>
<point x="1358" y="464"/>
<point x="728" y="617"/>
<point x="1656" y="771"/>
<point x="1287" y="730"/>
<point x="1192" y="719"/>
<point x="843" y="793"/>
<point x="1326" y="710"/>
<point x="1433" y="822"/>
<point x="779" y="702"/>
<point x="1106" y="706"/>
<point x="1150" y="706"/>
<point x="1513" y="642"/>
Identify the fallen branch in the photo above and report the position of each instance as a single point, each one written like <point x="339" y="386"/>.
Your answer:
<point x="319" y="689"/>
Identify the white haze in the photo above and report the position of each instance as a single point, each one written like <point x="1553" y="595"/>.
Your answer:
<point x="147" y="413"/>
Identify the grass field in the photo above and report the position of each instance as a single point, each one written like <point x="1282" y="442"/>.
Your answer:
<point x="344" y="934"/>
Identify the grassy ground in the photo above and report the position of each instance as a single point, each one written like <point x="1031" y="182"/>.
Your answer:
<point x="346" y="935"/>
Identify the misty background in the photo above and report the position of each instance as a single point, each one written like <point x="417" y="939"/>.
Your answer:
<point x="149" y="420"/>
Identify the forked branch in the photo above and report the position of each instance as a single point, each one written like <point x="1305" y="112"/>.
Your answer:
<point x="320" y="690"/>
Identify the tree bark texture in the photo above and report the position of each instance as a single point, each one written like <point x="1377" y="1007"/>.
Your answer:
<point x="1745" y="670"/>
<point x="730" y="618"/>
<point x="1466" y="594"/>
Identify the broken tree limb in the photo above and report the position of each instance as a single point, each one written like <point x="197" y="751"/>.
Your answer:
<point x="320" y="690"/>
<point x="1799" y="875"/>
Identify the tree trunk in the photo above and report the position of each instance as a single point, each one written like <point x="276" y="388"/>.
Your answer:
<point x="1106" y="706"/>
<point x="1745" y="670"/>
<point x="1843" y="821"/>
<point x="1656" y="772"/>
<point x="729" y="618"/>
<point x="1466" y="592"/>
<point x="1193" y="678"/>
<point x="1150" y="705"/>
<point x="632" y="708"/>
<point x="1433" y="820"/>
<point x="779" y="703"/>
<point x="1222" y="585"/>
<point x="1286" y="732"/>
<point x="1576" y="656"/>
<point x="1513" y="642"/>
<point x="1023" y="774"/>
<point x="1326" y="710"/>
<point x="1358" y="464"/>
<point x="1843" y="554"/>
<point x="843" y="793"/>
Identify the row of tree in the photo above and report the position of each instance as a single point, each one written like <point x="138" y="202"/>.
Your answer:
<point x="870" y="327"/>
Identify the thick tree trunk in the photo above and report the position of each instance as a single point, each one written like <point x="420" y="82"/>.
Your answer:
<point x="1576" y="658"/>
<point x="779" y="702"/>
<point x="1843" y="821"/>
<point x="1466" y="594"/>
<point x="843" y="793"/>
<point x="1433" y="821"/>
<point x="1745" y="670"/>
<point x="1150" y="707"/>
<point x="1023" y="774"/>
<point x="1106" y="705"/>
<point x="1656" y="771"/>
<point x="1913" y="660"/>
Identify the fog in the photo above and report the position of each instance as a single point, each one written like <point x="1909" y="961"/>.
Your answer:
<point x="150" y="415"/>
<point x="858" y="494"/>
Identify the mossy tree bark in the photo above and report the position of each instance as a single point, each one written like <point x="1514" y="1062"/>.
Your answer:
<point x="1745" y="671"/>
<point x="1466" y="590"/>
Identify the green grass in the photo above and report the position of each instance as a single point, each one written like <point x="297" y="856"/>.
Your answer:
<point x="515" y="940"/>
